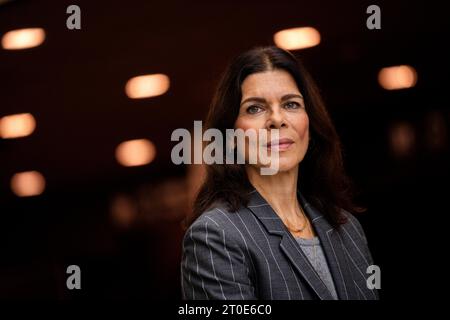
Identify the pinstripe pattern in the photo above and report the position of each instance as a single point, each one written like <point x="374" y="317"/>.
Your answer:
<point x="249" y="254"/>
<point x="339" y="267"/>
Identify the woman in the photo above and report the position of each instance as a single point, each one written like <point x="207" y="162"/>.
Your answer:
<point x="289" y="235"/>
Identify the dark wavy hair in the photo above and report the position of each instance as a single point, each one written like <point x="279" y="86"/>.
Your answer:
<point x="323" y="180"/>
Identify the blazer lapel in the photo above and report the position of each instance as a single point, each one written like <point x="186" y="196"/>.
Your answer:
<point x="334" y="252"/>
<point x="272" y="222"/>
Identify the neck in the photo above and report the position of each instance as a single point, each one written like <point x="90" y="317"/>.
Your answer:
<point x="280" y="190"/>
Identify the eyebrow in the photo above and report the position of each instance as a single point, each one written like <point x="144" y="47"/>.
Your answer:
<point x="283" y="98"/>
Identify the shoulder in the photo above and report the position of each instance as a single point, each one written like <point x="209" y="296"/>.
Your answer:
<point x="219" y="220"/>
<point x="354" y="238"/>
<point x="353" y="227"/>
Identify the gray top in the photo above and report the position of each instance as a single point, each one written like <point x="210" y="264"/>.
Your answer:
<point x="314" y="253"/>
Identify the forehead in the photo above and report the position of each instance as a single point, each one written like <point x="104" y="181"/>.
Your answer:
<point x="274" y="83"/>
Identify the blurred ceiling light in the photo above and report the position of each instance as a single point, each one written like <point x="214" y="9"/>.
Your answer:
<point x="135" y="152"/>
<point x="29" y="183"/>
<point x="297" y="38"/>
<point x="402" y="138"/>
<point x="17" y="125"/>
<point x="147" y="86"/>
<point x="124" y="210"/>
<point x="397" y="77"/>
<point x="23" y="38"/>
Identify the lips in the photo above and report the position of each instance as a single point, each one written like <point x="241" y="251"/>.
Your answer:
<point x="280" y="144"/>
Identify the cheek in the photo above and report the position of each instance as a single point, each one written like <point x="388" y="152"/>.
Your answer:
<point x="301" y="126"/>
<point x="245" y="123"/>
<point x="239" y="124"/>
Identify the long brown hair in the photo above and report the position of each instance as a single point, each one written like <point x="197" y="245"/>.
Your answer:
<point x="323" y="180"/>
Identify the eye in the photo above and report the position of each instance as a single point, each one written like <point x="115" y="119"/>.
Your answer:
<point x="253" y="109"/>
<point x="292" y="105"/>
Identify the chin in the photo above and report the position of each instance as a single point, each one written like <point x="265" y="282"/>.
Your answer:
<point x="287" y="165"/>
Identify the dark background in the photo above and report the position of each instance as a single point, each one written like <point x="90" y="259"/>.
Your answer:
<point x="73" y="84"/>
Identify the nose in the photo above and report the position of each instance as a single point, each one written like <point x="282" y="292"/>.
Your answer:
<point x="276" y="119"/>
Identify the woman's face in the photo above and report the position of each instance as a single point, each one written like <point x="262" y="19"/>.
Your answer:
<point x="272" y="100"/>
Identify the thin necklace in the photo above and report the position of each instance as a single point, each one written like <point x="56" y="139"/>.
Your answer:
<point x="302" y="228"/>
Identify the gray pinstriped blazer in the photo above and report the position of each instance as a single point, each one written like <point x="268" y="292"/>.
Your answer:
<point x="250" y="254"/>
